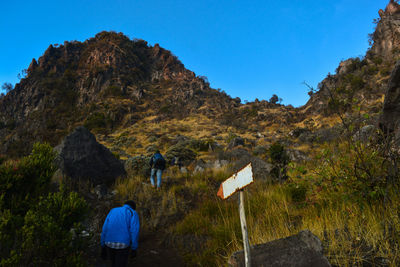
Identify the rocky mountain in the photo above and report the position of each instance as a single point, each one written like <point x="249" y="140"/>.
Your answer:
<point x="104" y="82"/>
<point x="119" y="87"/>
<point x="363" y="80"/>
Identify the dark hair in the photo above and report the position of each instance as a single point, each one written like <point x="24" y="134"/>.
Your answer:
<point x="157" y="151"/>
<point x="131" y="203"/>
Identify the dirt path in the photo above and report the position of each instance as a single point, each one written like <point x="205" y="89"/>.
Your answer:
<point x="152" y="251"/>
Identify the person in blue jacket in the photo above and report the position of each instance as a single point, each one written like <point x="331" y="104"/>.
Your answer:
<point x="120" y="234"/>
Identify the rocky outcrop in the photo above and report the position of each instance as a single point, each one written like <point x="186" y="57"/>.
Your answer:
<point x="392" y="8"/>
<point x="75" y="83"/>
<point x="389" y="122"/>
<point x="301" y="250"/>
<point x="387" y="33"/>
<point x="81" y="157"/>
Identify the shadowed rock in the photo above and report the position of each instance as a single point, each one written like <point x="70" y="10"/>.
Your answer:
<point x="390" y="119"/>
<point x="80" y="156"/>
<point x="303" y="249"/>
<point x="241" y="157"/>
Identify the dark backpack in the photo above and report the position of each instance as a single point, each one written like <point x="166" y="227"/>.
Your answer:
<point x="158" y="162"/>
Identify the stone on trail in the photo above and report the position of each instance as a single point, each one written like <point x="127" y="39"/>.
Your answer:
<point x="301" y="250"/>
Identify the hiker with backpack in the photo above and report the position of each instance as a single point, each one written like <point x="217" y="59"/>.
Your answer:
<point x="120" y="234"/>
<point x="157" y="164"/>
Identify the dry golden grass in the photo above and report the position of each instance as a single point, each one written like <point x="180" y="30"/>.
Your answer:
<point x="350" y="235"/>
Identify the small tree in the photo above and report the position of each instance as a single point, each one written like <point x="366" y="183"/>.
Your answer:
<point x="279" y="159"/>
<point x="311" y="89"/>
<point x="7" y="87"/>
<point x="22" y="74"/>
<point x="205" y="80"/>
<point x="275" y="99"/>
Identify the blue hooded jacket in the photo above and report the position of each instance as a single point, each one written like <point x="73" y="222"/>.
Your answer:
<point x="121" y="226"/>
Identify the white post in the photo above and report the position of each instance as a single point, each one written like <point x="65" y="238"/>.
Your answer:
<point x="246" y="244"/>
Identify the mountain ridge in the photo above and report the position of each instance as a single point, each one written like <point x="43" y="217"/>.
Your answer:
<point x="110" y="82"/>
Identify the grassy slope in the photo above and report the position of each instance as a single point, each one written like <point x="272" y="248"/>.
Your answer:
<point x="206" y="229"/>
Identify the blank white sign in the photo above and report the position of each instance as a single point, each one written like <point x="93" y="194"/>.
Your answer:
<point x="236" y="182"/>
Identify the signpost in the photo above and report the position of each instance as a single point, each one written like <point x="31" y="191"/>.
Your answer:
<point x="235" y="183"/>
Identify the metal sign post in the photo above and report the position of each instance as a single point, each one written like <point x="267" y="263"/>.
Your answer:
<point x="237" y="182"/>
<point x="243" y="223"/>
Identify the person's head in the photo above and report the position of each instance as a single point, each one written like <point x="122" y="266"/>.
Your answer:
<point x="131" y="203"/>
<point x="157" y="151"/>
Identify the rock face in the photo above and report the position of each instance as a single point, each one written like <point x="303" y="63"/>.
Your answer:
<point x="390" y="119"/>
<point x="80" y="156"/>
<point x="303" y="249"/>
<point x="387" y="34"/>
<point x="75" y="84"/>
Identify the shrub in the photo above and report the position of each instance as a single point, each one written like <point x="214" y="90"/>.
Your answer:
<point x="25" y="180"/>
<point x="199" y="145"/>
<point x="35" y="224"/>
<point x="377" y="60"/>
<point x="96" y="121"/>
<point x="280" y="159"/>
<point x="138" y="165"/>
<point x="355" y="171"/>
<point x="52" y="233"/>
<point x="230" y="137"/>
<point x="186" y="155"/>
<point x="297" y="192"/>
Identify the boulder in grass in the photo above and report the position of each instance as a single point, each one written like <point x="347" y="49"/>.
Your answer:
<point x="301" y="250"/>
<point x="81" y="157"/>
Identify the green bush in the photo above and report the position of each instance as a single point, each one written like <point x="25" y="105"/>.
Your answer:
<point x="297" y="192"/>
<point x="51" y="233"/>
<point x="279" y="159"/>
<point x="96" y="121"/>
<point x="199" y="145"/>
<point x="230" y="137"/>
<point x="27" y="179"/>
<point x="35" y="225"/>
<point x="138" y="165"/>
<point x="186" y="155"/>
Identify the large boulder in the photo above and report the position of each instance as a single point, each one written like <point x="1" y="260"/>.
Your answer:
<point x="241" y="157"/>
<point x="301" y="250"/>
<point x="389" y="122"/>
<point x="81" y="157"/>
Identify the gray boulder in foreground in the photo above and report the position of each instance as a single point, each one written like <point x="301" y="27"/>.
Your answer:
<point x="301" y="250"/>
<point x="81" y="157"/>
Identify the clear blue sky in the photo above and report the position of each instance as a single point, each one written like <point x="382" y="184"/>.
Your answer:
<point x="250" y="49"/>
